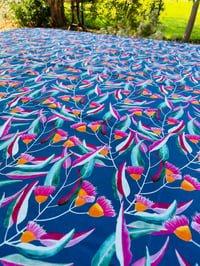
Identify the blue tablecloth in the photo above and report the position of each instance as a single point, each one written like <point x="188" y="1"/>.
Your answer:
<point x="99" y="150"/>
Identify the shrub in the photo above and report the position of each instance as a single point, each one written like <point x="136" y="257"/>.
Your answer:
<point x="31" y="13"/>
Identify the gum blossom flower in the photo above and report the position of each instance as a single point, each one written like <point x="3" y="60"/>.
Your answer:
<point x="25" y="158"/>
<point x="150" y="112"/>
<point x="33" y="232"/>
<point x="190" y="183"/>
<point x="43" y="192"/>
<point x="65" y="97"/>
<point x="135" y="171"/>
<point x="196" y="222"/>
<point x="105" y="151"/>
<point x="120" y="134"/>
<point x="142" y="203"/>
<point x="94" y="104"/>
<point x="172" y="172"/>
<point x="27" y="138"/>
<point x="79" y="127"/>
<point x="156" y="130"/>
<point x="85" y="194"/>
<point x="77" y="98"/>
<point x="25" y="99"/>
<point x="60" y="135"/>
<point x="72" y="141"/>
<point x="172" y="121"/>
<point x="193" y="138"/>
<point x="102" y="207"/>
<point x="49" y="100"/>
<point x="179" y="226"/>
<point x="95" y="125"/>
<point x="76" y="112"/>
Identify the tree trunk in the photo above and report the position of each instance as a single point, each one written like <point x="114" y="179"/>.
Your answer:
<point x="190" y="25"/>
<point x="57" y="13"/>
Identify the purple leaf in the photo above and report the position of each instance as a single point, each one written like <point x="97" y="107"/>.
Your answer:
<point x="156" y="258"/>
<point x="122" y="240"/>
<point x="181" y="260"/>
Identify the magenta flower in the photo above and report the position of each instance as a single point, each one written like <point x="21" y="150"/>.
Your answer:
<point x="72" y="141"/>
<point x="25" y="158"/>
<point x="120" y="134"/>
<point x="135" y="171"/>
<point x="142" y="203"/>
<point x="172" y="172"/>
<point x="33" y="232"/>
<point x="196" y="222"/>
<point x="79" y="126"/>
<point x="86" y="194"/>
<point x="60" y="135"/>
<point x="190" y="183"/>
<point x="43" y="192"/>
<point x="95" y="125"/>
<point x="27" y="138"/>
<point x="179" y="226"/>
<point x="193" y="138"/>
<point x="102" y="207"/>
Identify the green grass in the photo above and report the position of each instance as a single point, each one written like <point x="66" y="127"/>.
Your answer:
<point x="175" y="17"/>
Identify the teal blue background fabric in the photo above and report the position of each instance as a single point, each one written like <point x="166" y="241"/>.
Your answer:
<point x="99" y="146"/>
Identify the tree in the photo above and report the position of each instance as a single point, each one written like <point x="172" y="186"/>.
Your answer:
<point x="57" y="13"/>
<point x="190" y="25"/>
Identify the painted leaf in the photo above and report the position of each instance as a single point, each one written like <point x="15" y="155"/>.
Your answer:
<point x="181" y="207"/>
<point x="87" y="169"/>
<point x="191" y="127"/>
<point x="12" y="197"/>
<point x="13" y="148"/>
<point x="53" y="176"/>
<point x="4" y="128"/>
<point x="19" y="260"/>
<point x="178" y="128"/>
<point x="62" y="116"/>
<point x="6" y="143"/>
<point x="21" y="208"/>
<point x="39" y="166"/>
<point x="50" y="239"/>
<point x="105" y="253"/>
<point x="143" y="225"/>
<point x="38" y="252"/>
<point x="154" y="259"/>
<point x="141" y="128"/>
<point x="126" y="144"/>
<point x="35" y="125"/>
<point x="114" y="112"/>
<point x="181" y="260"/>
<point x="122" y="184"/>
<point x="96" y="110"/>
<point x="122" y="240"/>
<point x="73" y="193"/>
<point x="86" y="158"/>
<point x="8" y="182"/>
<point x="159" y="143"/>
<point x="177" y="115"/>
<point x="24" y="175"/>
<point x="164" y="152"/>
<point x="136" y="157"/>
<point x="183" y="145"/>
<point x="161" y="171"/>
<point x="158" y="218"/>
<point x="125" y="124"/>
<point x="147" y="258"/>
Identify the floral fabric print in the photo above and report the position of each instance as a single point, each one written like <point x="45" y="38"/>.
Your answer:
<point x="99" y="150"/>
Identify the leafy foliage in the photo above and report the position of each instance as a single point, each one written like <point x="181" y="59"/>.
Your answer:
<point x="31" y="13"/>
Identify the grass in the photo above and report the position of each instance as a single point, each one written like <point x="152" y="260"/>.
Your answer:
<point x="175" y="17"/>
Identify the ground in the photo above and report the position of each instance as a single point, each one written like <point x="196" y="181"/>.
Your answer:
<point x="6" y="23"/>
